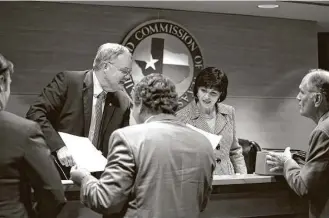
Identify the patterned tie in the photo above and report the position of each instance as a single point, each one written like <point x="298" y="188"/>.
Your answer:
<point x="98" y="116"/>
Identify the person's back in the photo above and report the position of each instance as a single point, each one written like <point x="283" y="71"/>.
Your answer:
<point x="11" y="186"/>
<point x="174" y="166"/>
<point x="157" y="169"/>
<point x="25" y="163"/>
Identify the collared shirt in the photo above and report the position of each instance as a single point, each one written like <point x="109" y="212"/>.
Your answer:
<point x="162" y="117"/>
<point x="97" y="90"/>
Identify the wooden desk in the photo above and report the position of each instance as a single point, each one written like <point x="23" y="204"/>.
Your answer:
<point x="254" y="196"/>
<point x="243" y="196"/>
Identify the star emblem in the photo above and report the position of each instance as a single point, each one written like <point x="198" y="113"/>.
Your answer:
<point x="151" y="62"/>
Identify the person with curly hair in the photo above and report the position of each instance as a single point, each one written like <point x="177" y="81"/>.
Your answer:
<point x="207" y="112"/>
<point x="156" y="168"/>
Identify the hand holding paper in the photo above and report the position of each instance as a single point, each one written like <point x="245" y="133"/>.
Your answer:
<point x="84" y="152"/>
<point x="65" y="157"/>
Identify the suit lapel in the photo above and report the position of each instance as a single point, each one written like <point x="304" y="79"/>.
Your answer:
<point x="87" y="93"/>
<point x="108" y="111"/>
<point x="115" y="101"/>
<point x="201" y="124"/>
<point x="220" y="123"/>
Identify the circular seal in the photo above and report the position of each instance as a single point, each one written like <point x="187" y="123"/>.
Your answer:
<point x="162" y="46"/>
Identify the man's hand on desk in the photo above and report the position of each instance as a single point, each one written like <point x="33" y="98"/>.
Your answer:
<point x="65" y="157"/>
<point x="276" y="160"/>
<point x="77" y="174"/>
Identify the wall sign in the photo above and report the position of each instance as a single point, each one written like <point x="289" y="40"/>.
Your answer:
<point x="162" y="46"/>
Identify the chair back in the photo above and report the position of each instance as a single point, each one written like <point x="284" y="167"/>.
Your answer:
<point x="249" y="151"/>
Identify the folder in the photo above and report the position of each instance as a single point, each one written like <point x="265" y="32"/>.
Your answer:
<point x="84" y="153"/>
<point x="214" y="139"/>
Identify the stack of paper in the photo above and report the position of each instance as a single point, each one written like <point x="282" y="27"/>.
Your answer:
<point x="84" y="152"/>
<point x="214" y="139"/>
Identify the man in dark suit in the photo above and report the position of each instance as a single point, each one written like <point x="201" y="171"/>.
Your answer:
<point x="311" y="180"/>
<point x="87" y="103"/>
<point x="25" y="161"/>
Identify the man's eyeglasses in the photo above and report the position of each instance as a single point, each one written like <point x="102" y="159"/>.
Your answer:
<point x="125" y="71"/>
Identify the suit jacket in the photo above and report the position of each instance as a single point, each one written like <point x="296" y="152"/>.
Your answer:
<point x="25" y="161"/>
<point x="229" y="155"/>
<point x="311" y="180"/>
<point x="158" y="169"/>
<point x="65" y="105"/>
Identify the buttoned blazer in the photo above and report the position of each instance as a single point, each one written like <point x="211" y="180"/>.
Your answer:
<point x="229" y="155"/>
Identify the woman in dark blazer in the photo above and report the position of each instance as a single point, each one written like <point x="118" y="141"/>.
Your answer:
<point x="207" y="112"/>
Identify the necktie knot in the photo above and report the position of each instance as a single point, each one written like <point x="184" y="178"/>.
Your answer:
<point x="101" y="95"/>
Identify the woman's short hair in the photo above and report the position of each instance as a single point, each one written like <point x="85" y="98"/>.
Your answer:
<point x="6" y="66"/>
<point x="212" y="78"/>
<point x="157" y="94"/>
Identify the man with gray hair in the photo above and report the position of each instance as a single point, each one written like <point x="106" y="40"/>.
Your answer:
<point x="87" y="103"/>
<point x="311" y="180"/>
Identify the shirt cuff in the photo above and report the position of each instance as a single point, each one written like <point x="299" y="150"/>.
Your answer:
<point x="86" y="178"/>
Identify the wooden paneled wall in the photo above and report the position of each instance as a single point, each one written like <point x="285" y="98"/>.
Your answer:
<point x="323" y="50"/>
<point x="264" y="58"/>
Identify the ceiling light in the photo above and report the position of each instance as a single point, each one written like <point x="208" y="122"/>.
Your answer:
<point x="268" y="6"/>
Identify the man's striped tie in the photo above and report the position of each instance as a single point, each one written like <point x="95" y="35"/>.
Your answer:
<point x="98" y="117"/>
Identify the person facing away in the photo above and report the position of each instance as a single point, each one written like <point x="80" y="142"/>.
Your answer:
<point x="207" y="112"/>
<point x="311" y="180"/>
<point x="157" y="168"/>
<point x="87" y="103"/>
<point x="25" y="162"/>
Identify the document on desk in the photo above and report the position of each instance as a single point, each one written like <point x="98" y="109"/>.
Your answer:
<point x="214" y="139"/>
<point x="84" y="152"/>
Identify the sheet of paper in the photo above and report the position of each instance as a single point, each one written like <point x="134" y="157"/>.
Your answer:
<point x="67" y="182"/>
<point x="214" y="139"/>
<point x="84" y="152"/>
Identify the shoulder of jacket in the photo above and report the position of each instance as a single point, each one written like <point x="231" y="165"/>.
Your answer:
<point x="16" y="122"/>
<point x="75" y="74"/>
<point x="225" y="108"/>
<point x="185" y="111"/>
<point x="323" y="127"/>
